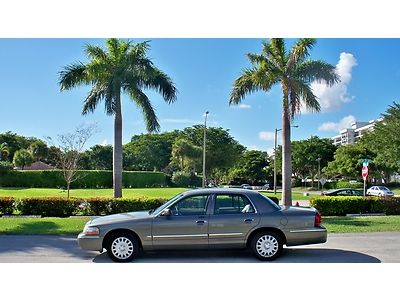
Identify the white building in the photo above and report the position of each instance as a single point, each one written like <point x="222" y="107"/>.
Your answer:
<point x="351" y="135"/>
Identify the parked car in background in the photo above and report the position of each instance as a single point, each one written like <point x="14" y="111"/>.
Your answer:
<point x="344" y="192"/>
<point x="206" y="219"/>
<point x="246" y="186"/>
<point x="379" y="190"/>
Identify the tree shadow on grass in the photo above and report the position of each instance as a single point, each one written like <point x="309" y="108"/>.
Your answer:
<point x="290" y="255"/>
<point x="352" y="222"/>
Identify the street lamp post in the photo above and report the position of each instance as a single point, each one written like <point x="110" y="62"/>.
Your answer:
<point x="204" y="150"/>
<point x="276" y="136"/>
<point x="319" y="170"/>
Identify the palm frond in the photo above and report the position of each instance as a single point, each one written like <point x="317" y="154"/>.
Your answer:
<point x="318" y="71"/>
<point x="92" y="100"/>
<point x="301" y="94"/>
<point x="72" y="75"/>
<point x="153" y="78"/>
<point x="278" y="51"/>
<point x="300" y="51"/>
<point x="243" y="85"/>
<point x="96" y="52"/>
<point x="143" y="102"/>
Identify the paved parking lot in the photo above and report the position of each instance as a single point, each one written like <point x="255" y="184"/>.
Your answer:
<point x="340" y="248"/>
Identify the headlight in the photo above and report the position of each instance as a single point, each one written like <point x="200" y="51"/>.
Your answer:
<point x="91" y="230"/>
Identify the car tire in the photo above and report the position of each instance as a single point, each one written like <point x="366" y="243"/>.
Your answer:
<point x="267" y="245"/>
<point x="123" y="247"/>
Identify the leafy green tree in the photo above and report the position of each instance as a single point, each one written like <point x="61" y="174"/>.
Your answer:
<point x="348" y="160"/>
<point x="222" y="150"/>
<point x="124" y="67"/>
<point x="384" y="141"/>
<point x="251" y="167"/>
<point x="187" y="155"/>
<point x="15" y="142"/>
<point x="22" y="158"/>
<point x="294" y="73"/>
<point x="39" y="150"/>
<point x="149" y="151"/>
<point x="305" y="154"/>
<point x="97" y="157"/>
<point x="4" y="150"/>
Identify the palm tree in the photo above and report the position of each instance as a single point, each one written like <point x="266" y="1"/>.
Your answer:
<point x="123" y="67"/>
<point x="295" y="73"/>
<point x="4" y="150"/>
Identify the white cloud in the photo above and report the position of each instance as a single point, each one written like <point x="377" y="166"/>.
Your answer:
<point x="253" y="147"/>
<point x="266" y="135"/>
<point x="332" y="98"/>
<point x="245" y="106"/>
<point x="104" y="143"/>
<point x="342" y="124"/>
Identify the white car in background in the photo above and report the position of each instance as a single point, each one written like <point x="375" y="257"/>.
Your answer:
<point x="379" y="190"/>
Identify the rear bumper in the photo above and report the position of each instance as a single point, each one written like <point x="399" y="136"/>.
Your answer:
<point x="94" y="243"/>
<point x="314" y="235"/>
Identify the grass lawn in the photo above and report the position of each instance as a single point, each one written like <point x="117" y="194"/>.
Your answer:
<point x="73" y="226"/>
<point x="42" y="225"/>
<point x="295" y="195"/>
<point x="87" y="193"/>
<point x="361" y="224"/>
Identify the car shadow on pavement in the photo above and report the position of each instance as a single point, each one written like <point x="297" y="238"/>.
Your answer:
<point x="298" y="255"/>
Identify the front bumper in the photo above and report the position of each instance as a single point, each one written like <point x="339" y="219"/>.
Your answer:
<point x="87" y="242"/>
<point x="314" y="235"/>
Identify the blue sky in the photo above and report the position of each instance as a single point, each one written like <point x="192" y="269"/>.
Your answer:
<point x="203" y="71"/>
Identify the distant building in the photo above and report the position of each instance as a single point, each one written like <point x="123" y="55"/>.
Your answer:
<point x="37" y="165"/>
<point x="351" y="135"/>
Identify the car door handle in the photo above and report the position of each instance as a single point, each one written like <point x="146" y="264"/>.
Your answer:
<point x="249" y="220"/>
<point x="200" y="222"/>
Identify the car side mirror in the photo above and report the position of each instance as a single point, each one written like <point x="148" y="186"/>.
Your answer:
<point x="166" y="212"/>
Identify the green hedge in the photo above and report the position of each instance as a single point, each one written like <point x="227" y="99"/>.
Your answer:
<point x="7" y="205"/>
<point x="87" y="179"/>
<point x="342" y="205"/>
<point x="63" y="207"/>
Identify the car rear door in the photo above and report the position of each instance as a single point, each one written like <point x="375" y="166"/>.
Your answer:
<point x="186" y="227"/>
<point x="232" y="218"/>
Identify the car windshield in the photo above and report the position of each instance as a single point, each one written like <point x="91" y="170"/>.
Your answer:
<point x="160" y="208"/>
<point x="383" y="188"/>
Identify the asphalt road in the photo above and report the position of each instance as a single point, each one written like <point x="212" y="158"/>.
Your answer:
<point x="340" y="248"/>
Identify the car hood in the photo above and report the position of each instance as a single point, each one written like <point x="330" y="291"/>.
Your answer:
<point x="137" y="215"/>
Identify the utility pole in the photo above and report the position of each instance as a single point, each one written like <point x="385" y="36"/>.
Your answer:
<point x="204" y="150"/>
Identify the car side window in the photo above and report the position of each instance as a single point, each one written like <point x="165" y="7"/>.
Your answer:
<point x="193" y="205"/>
<point x="232" y="204"/>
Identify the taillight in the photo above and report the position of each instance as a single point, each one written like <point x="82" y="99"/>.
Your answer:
<point x="318" y="219"/>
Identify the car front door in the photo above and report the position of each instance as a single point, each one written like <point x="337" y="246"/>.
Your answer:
<point x="185" y="227"/>
<point x="232" y="219"/>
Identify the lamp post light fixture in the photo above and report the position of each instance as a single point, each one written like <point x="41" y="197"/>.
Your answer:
<point x="276" y="136"/>
<point x="204" y="149"/>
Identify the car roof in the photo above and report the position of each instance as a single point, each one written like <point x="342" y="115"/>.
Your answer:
<point x="219" y="191"/>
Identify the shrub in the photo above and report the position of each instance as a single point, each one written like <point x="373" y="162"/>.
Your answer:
<point x="6" y="205"/>
<point x="47" y="206"/>
<point x="87" y="179"/>
<point x="5" y="166"/>
<point x="346" y="184"/>
<point x="184" y="179"/>
<point x="342" y="205"/>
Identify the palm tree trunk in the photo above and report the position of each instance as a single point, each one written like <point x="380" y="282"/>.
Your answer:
<point x="286" y="149"/>
<point x="117" y="150"/>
